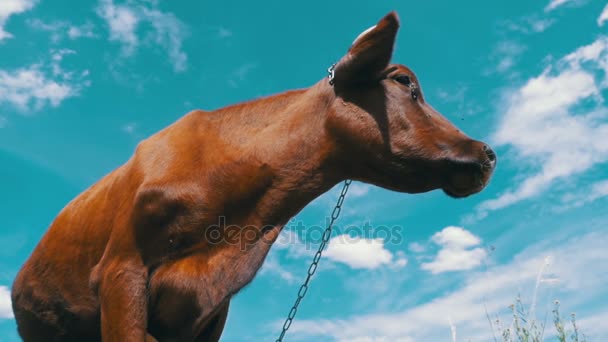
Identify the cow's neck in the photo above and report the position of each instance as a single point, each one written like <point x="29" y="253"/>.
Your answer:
<point x="282" y="164"/>
<point x="285" y="158"/>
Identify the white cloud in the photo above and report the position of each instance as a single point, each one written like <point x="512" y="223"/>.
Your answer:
<point x="557" y="3"/>
<point x="25" y="86"/>
<point x="357" y="253"/>
<point x="56" y="58"/>
<point x="449" y="259"/>
<point x="530" y="24"/>
<point x="61" y="29"/>
<point x="6" y="309"/>
<point x="416" y="247"/>
<point x="169" y="33"/>
<point x="34" y="87"/>
<point x="581" y="279"/>
<point x="288" y="245"/>
<point x="508" y="51"/>
<point x="9" y="8"/>
<point x="456" y="253"/>
<point x="129" y="128"/>
<point x="596" y="191"/>
<point x="362" y="253"/>
<point x="594" y="325"/>
<point x="556" y="123"/>
<point x="603" y="16"/>
<point x="505" y="55"/>
<point x="359" y="189"/>
<point x="54" y="28"/>
<point x="223" y="32"/>
<point x="540" y="25"/>
<point x="296" y="247"/>
<point x="124" y="20"/>
<point x="455" y="237"/>
<point x="82" y="31"/>
<point x="240" y="73"/>
<point x="273" y="266"/>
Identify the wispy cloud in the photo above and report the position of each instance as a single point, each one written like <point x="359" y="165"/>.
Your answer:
<point x="603" y="16"/>
<point x="36" y="86"/>
<point x="12" y="7"/>
<point x="529" y="24"/>
<point x="6" y="310"/>
<point x="223" y="32"/>
<point x="170" y="33"/>
<point x="457" y="95"/>
<point x="273" y="266"/>
<point x="540" y="25"/>
<point x="505" y="55"/>
<point x="288" y="246"/>
<point x="556" y="123"/>
<point x="594" y="325"/>
<point x="580" y="279"/>
<point x="53" y="27"/>
<point x="296" y="247"/>
<point x="124" y="21"/>
<point x="61" y="29"/>
<point x="82" y="31"/>
<point x="416" y="247"/>
<point x="239" y="74"/>
<point x="359" y="189"/>
<point x="458" y="251"/>
<point x="594" y="192"/>
<point x="129" y="128"/>
<point x="557" y="3"/>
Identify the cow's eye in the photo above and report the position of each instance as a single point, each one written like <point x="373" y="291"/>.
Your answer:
<point x="404" y="79"/>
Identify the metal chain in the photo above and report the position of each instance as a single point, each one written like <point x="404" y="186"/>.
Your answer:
<point x="315" y="261"/>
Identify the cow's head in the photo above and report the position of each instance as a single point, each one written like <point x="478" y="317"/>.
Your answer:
<point x="389" y="134"/>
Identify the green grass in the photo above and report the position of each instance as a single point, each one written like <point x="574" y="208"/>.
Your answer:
<point x="526" y="328"/>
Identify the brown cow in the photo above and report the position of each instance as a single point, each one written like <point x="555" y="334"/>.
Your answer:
<point x="147" y="251"/>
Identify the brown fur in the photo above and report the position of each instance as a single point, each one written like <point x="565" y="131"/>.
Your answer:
<point x="137" y="256"/>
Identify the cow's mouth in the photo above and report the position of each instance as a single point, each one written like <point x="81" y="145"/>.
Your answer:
<point x="467" y="178"/>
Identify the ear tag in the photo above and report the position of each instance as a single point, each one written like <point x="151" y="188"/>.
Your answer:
<point x="331" y="74"/>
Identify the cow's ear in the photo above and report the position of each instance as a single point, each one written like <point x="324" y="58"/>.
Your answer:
<point x="369" y="54"/>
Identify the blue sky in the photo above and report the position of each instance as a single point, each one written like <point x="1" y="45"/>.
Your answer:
<point x="82" y="82"/>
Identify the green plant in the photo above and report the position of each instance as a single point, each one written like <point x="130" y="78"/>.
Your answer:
<point x="525" y="328"/>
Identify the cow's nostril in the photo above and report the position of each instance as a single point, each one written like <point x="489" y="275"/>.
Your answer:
<point x="490" y="153"/>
